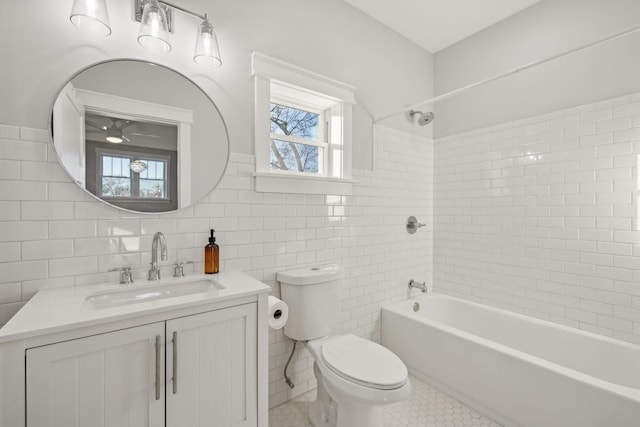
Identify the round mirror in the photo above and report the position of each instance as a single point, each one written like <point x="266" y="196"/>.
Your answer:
<point x="139" y="136"/>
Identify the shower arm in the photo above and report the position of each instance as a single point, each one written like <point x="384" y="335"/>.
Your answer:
<point x="515" y="70"/>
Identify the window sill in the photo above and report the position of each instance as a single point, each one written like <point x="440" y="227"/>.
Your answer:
<point x="280" y="183"/>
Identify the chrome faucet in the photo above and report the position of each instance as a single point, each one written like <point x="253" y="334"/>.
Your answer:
<point x="158" y="239"/>
<point x="422" y="286"/>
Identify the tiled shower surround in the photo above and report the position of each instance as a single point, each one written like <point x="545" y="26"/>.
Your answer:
<point x="53" y="234"/>
<point x="540" y="216"/>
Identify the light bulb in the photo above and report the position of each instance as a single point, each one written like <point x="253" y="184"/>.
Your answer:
<point x="154" y="30"/>
<point x="207" y="52"/>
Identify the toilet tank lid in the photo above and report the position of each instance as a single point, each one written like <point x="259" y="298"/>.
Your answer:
<point x="310" y="275"/>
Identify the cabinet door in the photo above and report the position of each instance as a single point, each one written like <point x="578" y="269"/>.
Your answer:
<point x="213" y="381"/>
<point x="106" y="380"/>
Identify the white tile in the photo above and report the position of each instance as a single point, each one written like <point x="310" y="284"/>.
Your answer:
<point x="9" y="210"/>
<point x="9" y="132"/>
<point x="67" y="191"/>
<point x="118" y="227"/>
<point x="42" y="171"/>
<point x="23" y="190"/>
<point x="73" y="266"/>
<point x="10" y="292"/>
<point x="31" y="134"/>
<point x="10" y="251"/>
<point x="94" y="210"/>
<point x="13" y="231"/>
<point x="426" y="406"/>
<point x="99" y="246"/>
<point x="47" y="249"/>
<point x="23" y="270"/>
<point x="22" y="150"/>
<point x="73" y="229"/>
<point x="9" y="169"/>
<point x="47" y="210"/>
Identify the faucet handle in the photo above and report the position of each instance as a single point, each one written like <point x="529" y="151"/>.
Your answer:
<point x="126" y="276"/>
<point x="178" y="271"/>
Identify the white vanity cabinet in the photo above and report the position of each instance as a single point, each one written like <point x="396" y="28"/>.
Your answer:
<point x="195" y="362"/>
<point x="102" y="380"/>
<point x="121" y="379"/>
<point x="211" y="369"/>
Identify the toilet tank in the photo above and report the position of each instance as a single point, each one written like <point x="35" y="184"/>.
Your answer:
<point x="313" y="297"/>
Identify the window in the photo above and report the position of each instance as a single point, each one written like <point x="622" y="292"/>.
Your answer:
<point x="302" y="130"/>
<point x="298" y="140"/>
<point x="119" y="180"/>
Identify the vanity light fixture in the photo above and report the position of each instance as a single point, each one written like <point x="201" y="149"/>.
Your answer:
<point x="91" y="16"/>
<point x="156" y="21"/>
<point x="154" y="27"/>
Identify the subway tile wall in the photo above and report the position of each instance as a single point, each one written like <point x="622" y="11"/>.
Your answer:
<point x="52" y="234"/>
<point x="540" y="216"/>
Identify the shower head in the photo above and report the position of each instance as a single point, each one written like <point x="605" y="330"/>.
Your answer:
<point x="424" y="119"/>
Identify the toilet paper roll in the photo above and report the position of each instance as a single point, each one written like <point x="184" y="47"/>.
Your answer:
<point x="278" y="313"/>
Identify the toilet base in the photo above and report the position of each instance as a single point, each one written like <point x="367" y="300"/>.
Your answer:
<point x="325" y="412"/>
<point x="356" y="414"/>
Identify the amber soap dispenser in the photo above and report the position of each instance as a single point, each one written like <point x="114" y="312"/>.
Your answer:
<point x="212" y="256"/>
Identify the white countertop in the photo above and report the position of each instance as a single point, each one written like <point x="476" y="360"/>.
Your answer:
<point x="62" y="309"/>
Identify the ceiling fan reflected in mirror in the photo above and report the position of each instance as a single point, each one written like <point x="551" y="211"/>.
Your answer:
<point x="113" y="133"/>
<point x="113" y="129"/>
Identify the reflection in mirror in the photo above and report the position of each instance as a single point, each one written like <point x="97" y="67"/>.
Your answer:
<point x="139" y="136"/>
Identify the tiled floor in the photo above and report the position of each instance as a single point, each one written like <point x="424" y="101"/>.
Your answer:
<point x="426" y="406"/>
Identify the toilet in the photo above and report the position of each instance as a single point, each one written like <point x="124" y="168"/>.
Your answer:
<point x="355" y="376"/>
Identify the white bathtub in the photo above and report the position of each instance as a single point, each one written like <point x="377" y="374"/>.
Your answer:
<point x="517" y="369"/>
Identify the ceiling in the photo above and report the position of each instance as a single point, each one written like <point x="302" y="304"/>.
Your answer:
<point x="437" y="24"/>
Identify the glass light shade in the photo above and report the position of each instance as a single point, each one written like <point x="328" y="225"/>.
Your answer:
<point x="138" y="166"/>
<point x="207" y="52"/>
<point x="114" y="136"/>
<point x="91" y="16"/>
<point x="154" y="29"/>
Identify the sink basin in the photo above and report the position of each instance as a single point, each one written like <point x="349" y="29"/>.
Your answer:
<point x="139" y="294"/>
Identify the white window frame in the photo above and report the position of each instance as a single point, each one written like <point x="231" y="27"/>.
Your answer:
<point x="135" y="178"/>
<point x="321" y="142"/>
<point x="279" y="82"/>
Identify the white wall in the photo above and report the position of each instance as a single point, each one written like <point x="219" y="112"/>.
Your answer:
<point x="327" y="37"/>
<point x="540" y="216"/>
<point x="53" y="234"/>
<point x="547" y="28"/>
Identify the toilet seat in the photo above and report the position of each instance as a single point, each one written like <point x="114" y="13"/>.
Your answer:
<point x="364" y="362"/>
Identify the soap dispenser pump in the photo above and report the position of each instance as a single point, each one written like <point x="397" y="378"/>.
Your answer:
<point x="212" y="256"/>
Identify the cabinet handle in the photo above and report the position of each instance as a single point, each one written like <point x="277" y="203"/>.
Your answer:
<point x="158" y="349"/>
<point x="175" y="362"/>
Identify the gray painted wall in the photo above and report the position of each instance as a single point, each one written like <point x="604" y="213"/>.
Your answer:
<point x="547" y="28"/>
<point x="327" y="37"/>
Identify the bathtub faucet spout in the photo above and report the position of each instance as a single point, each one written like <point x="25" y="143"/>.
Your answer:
<point x="422" y="286"/>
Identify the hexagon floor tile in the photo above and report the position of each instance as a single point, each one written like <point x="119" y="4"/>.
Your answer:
<point x="426" y="406"/>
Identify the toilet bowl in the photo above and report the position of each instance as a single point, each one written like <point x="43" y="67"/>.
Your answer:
<point x="355" y="376"/>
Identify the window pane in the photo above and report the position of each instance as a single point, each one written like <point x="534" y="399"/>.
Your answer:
<point x="288" y="156"/>
<point x="291" y="121"/>
<point x="116" y="187"/>
<point x="155" y="169"/>
<point x="152" y="182"/>
<point x="116" y="177"/>
<point x="152" y="188"/>
<point x="116" y="166"/>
